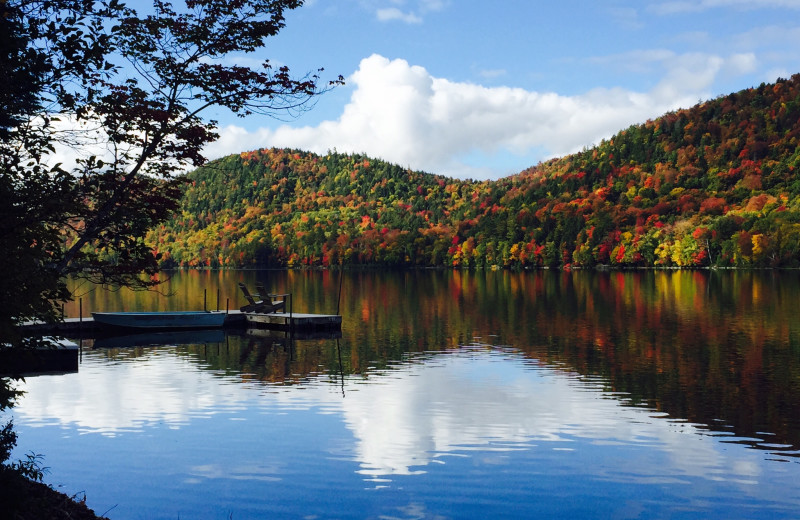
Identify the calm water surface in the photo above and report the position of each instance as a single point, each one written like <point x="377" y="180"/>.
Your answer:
<point x="448" y="395"/>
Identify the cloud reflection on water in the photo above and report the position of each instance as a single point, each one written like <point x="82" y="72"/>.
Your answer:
<point x="472" y="402"/>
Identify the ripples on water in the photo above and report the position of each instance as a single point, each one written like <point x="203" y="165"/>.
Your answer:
<point x="541" y="420"/>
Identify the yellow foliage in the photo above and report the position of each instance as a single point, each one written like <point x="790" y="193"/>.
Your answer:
<point x="675" y="253"/>
<point x="662" y="252"/>
<point x="759" y="243"/>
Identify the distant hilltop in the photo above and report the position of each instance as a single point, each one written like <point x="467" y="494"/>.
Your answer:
<point x="713" y="185"/>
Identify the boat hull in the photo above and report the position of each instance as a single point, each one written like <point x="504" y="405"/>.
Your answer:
<point x="161" y="320"/>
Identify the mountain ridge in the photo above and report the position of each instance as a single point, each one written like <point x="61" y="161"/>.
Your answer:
<point x="712" y="185"/>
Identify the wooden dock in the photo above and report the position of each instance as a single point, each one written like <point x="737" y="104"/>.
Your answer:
<point x="296" y="320"/>
<point x="60" y="357"/>
<point x="234" y="320"/>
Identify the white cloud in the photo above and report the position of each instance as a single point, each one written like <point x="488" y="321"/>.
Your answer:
<point x="769" y="36"/>
<point x="492" y="73"/>
<point x="429" y="6"/>
<point x="744" y="63"/>
<point x="627" y="17"/>
<point x="401" y="113"/>
<point x="393" y="13"/>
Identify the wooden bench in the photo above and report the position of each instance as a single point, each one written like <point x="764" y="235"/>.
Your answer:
<point x="263" y="302"/>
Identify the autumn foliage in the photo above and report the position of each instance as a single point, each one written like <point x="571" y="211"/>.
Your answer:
<point x="715" y="184"/>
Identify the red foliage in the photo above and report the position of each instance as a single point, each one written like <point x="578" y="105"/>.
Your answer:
<point x="698" y="233"/>
<point x="712" y="206"/>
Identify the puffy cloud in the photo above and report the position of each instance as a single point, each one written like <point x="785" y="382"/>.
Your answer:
<point x="744" y="63"/>
<point x="393" y="13"/>
<point x="401" y="113"/>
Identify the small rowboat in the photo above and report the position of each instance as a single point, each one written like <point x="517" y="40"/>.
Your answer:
<point x="161" y="320"/>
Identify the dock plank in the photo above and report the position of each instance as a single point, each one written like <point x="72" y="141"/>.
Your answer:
<point x="234" y="319"/>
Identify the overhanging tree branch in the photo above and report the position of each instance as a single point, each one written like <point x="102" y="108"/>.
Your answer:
<point x="143" y="82"/>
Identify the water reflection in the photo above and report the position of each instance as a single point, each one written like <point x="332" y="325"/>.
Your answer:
<point x="160" y="338"/>
<point x="255" y="427"/>
<point x="115" y="396"/>
<point x="488" y="402"/>
<point x="705" y="346"/>
<point x="402" y="419"/>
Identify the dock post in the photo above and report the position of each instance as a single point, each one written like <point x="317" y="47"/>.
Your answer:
<point x="217" y="299"/>
<point x="80" y="311"/>
<point x="227" y="303"/>
<point x="339" y="298"/>
<point x="205" y="291"/>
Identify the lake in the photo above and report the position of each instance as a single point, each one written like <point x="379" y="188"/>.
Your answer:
<point x="450" y="394"/>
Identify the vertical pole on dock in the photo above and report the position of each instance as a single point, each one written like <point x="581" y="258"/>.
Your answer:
<point x="204" y="299"/>
<point x="80" y="330"/>
<point x="339" y="298"/>
<point x="218" y="299"/>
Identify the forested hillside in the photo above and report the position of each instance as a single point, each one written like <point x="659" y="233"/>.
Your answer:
<point x="716" y="184"/>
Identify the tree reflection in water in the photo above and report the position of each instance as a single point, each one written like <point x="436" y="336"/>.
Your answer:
<point x="720" y="348"/>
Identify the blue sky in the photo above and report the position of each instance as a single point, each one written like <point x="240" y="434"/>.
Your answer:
<point x="481" y="89"/>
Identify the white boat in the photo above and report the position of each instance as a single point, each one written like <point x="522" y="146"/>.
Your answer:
<point x="161" y="320"/>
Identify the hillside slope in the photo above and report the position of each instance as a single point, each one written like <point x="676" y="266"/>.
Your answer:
<point x="716" y="184"/>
